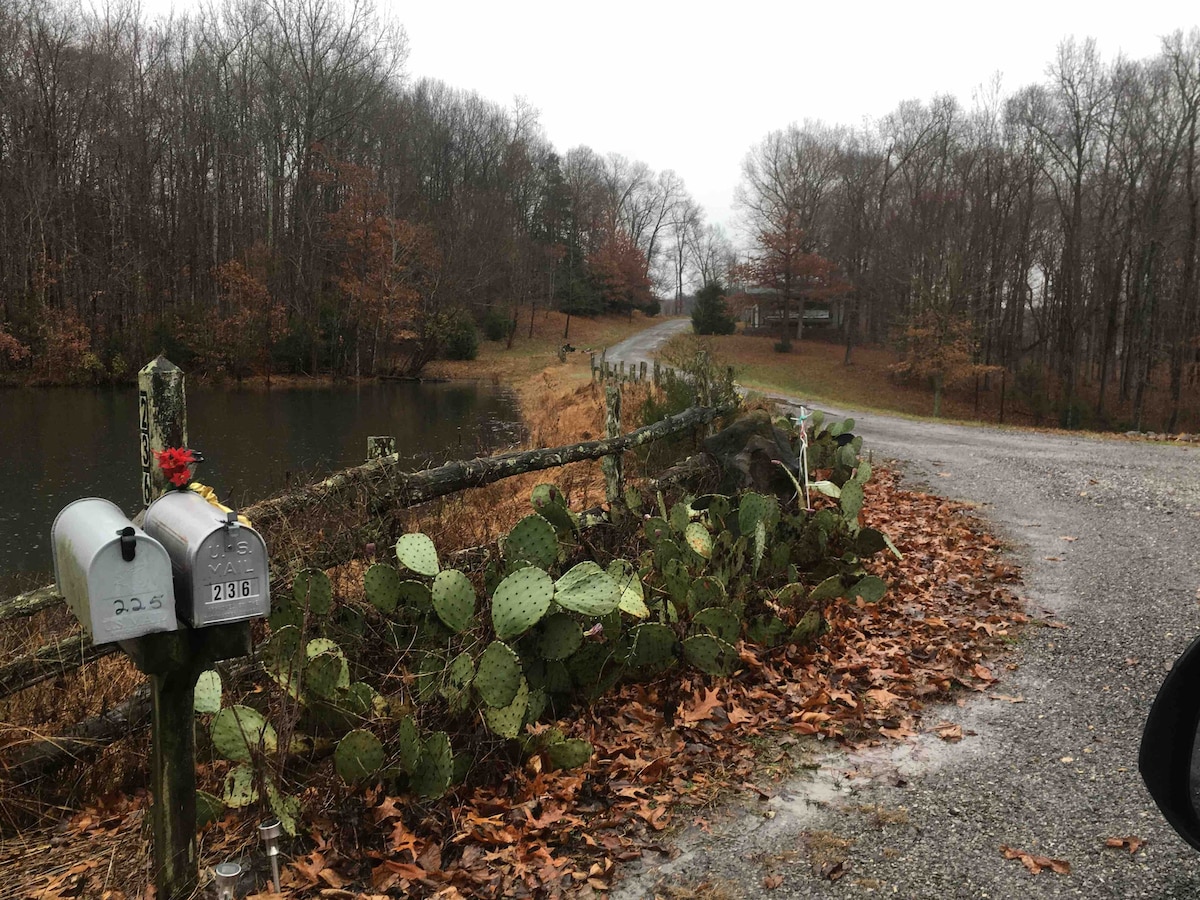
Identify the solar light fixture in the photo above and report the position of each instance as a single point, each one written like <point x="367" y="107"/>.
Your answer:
<point x="226" y="876"/>
<point x="270" y="831"/>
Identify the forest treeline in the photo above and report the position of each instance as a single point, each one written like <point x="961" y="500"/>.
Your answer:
<point x="1051" y="232"/>
<point x="257" y="186"/>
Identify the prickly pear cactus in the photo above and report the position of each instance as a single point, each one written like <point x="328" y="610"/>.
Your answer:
<point x="454" y="599"/>
<point x="569" y="754"/>
<point x="498" y="675"/>
<point x="653" y="645"/>
<point x="632" y="598"/>
<point x="457" y="688"/>
<point x="416" y="552"/>
<point x="408" y="744"/>
<point x="238" y="731"/>
<point x="754" y="508"/>
<point x="416" y="596"/>
<point x="239" y="790"/>
<point x="326" y="675"/>
<point x="851" y="503"/>
<point x="587" y="589"/>
<point x="359" y="755"/>
<point x="209" y="808"/>
<point x="720" y="622"/>
<point x="561" y="636"/>
<point x="208" y="693"/>
<point x="435" y="768"/>
<point x="283" y="658"/>
<point x="381" y="584"/>
<point x="808" y="629"/>
<point x="710" y="654"/>
<point x="699" y="540"/>
<point x="680" y="515"/>
<point x="506" y="721"/>
<point x="704" y="592"/>
<point x="871" y="589"/>
<point x="311" y="590"/>
<point x="532" y="539"/>
<point x="285" y="807"/>
<point x="521" y="600"/>
<point x="549" y="503"/>
<point x="657" y="529"/>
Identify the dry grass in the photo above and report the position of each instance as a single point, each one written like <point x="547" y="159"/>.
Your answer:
<point x="529" y="356"/>
<point x="815" y="370"/>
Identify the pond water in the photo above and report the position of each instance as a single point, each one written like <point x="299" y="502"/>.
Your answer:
<point x="59" y="444"/>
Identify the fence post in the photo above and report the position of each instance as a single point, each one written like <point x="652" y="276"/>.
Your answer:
<point x="173" y="659"/>
<point x="592" y="364"/>
<point x="642" y="371"/>
<point x="380" y="445"/>
<point x="657" y="374"/>
<point x="611" y="465"/>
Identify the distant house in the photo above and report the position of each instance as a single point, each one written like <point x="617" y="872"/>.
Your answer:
<point x="763" y="308"/>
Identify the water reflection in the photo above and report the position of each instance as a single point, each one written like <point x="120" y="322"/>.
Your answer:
<point x="60" y="444"/>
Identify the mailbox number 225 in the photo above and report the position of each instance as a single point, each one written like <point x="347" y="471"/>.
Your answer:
<point x="135" y="604"/>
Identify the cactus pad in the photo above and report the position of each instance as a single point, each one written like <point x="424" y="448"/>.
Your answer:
<point x="506" y="721"/>
<point x="558" y="678"/>
<point x="632" y="598"/>
<point x="408" y="744"/>
<point x="312" y="591"/>
<point x="653" y="645"/>
<point x="454" y="599"/>
<point x="415" y="595"/>
<point x="766" y="630"/>
<point x="681" y="514"/>
<point x="657" y="529"/>
<point x="532" y="539"/>
<point x="587" y="589"/>
<point x="871" y="589"/>
<point x="808" y="629"/>
<point x="381" y="584"/>
<point x="549" y="503"/>
<point x="561" y="636"/>
<point x="317" y="646"/>
<point x="429" y="673"/>
<point x="359" y="755"/>
<point x="416" y="552"/>
<point x="754" y="508"/>
<point x="435" y="767"/>
<point x="358" y="700"/>
<point x="699" y="540"/>
<point x="208" y="693"/>
<point x="537" y="705"/>
<point x="587" y="664"/>
<point x="208" y="808"/>
<point x="851" y="502"/>
<point x="281" y="657"/>
<point x="238" y="731"/>
<point x="710" y="654"/>
<point x="677" y="579"/>
<point x="498" y="676"/>
<point x="720" y="622"/>
<point x="828" y="589"/>
<point x="285" y="807"/>
<point x="569" y="754"/>
<point x="521" y="600"/>
<point x="239" y="788"/>
<point x="326" y="675"/>
<point x="705" y="592"/>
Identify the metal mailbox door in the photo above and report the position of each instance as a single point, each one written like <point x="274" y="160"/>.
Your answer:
<point x="114" y="576"/>
<point x="220" y="565"/>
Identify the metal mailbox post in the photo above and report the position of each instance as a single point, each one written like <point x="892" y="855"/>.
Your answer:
<point x="220" y="565"/>
<point x="115" y="577"/>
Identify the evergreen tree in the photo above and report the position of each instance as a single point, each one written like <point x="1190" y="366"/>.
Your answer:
<point x="709" y="316"/>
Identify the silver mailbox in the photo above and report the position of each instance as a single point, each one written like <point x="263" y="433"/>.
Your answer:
<point x="115" y="577"/>
<point x="220" y="565"/>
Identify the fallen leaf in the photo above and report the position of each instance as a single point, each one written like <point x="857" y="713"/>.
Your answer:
<point x="703" y="708"/>
<point x="1035" y="863"/>
<point x="1125" y="843"/>
<point x="1068" y="538"/>
<point x="772" y="881"/>
<point x="950" y="732"/>
<point x="1006" y="697"/>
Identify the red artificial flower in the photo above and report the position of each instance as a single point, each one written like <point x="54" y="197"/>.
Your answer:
<point x="175" y="463"/>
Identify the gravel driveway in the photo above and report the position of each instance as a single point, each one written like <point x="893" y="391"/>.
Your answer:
<point x="1107" y="533"/>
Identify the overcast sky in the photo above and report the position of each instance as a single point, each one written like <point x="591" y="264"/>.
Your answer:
<point x="691" y="86"/>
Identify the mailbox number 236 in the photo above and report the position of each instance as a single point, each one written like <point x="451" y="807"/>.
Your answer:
<point x="232" y="590"/>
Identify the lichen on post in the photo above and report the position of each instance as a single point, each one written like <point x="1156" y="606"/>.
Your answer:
<point x="611" y="465"/>
<point x="162" y="420"/>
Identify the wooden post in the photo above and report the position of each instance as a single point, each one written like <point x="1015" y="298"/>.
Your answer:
<point x="611" y="465"/>
<point x="642" y="372"/>
<point x="162" y="420"/>
<point x="380" y="445"/>
<point x="622" y="371"/>
<point x="592" y="364"/>
<point x="657" y="374"/>
<point x="173" y="660"/>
